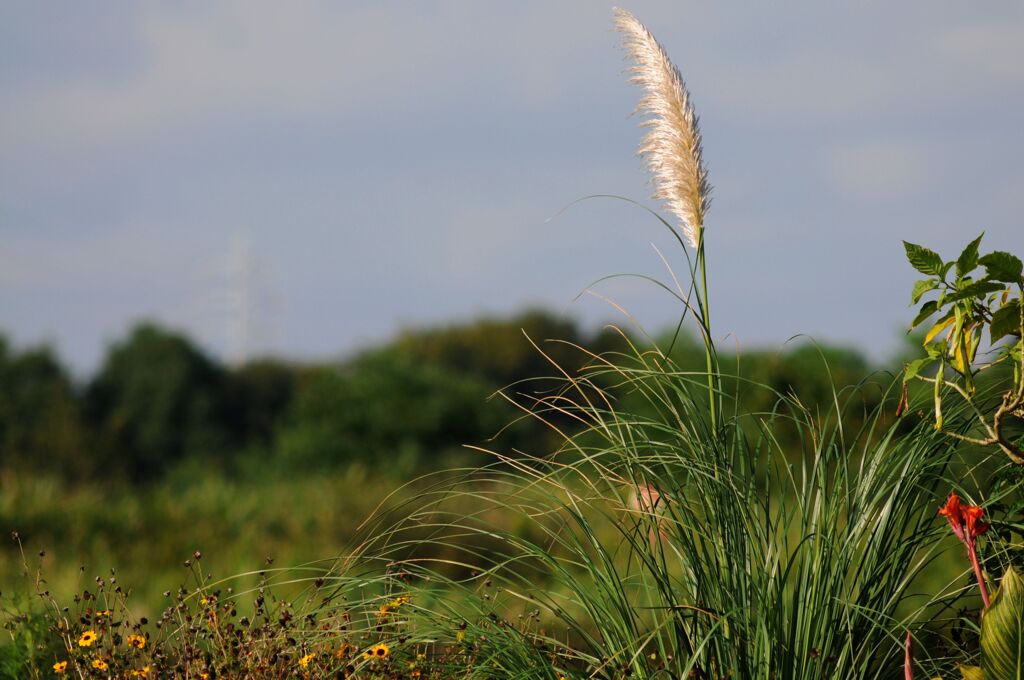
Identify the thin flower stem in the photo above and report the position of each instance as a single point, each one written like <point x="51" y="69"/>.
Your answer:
<point x="708" y="344"/>
<point x="908" y="658"/>
<point x="978" y="574"/>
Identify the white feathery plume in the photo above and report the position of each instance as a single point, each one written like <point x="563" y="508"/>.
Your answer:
<point x="672" y="147"/>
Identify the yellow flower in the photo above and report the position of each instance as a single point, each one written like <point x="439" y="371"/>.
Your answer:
<point x="378" y="651"/>
<point x="60" y="667"/>
<point x="136" y="641"/>
<point x="344" y="651"/>
<point x="141" y="673"/>
<point x="99" y="664"/>
<point x="87" y="638"/>
<point x="304" y="661"/>
<point x="389" y="607"/>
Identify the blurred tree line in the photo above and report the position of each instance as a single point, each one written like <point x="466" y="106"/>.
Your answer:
<point x="158" y="400"/>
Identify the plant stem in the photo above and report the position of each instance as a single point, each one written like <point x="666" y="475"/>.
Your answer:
<point x="908" y="659"/>
<point x="708" y="344"/>
<point x="977" y="573"/>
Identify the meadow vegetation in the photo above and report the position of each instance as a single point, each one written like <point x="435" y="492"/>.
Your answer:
<point x="628" y="507"/>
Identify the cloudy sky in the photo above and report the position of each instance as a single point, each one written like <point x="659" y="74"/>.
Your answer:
<point x="304" y="178"/>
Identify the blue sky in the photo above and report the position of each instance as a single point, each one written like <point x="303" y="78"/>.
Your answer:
<point x="396" y="163"/>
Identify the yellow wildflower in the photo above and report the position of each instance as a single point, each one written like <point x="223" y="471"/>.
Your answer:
<point x="389" y="607"/>
<point x="378" y="651"/>
<point x="99" y="664"/>
<point x="304" y="661"/>
<point x="141" y="673"/>
<point x="136" y="641"/>
<point x="60" y="667"/>
<point x="87" y="638"/>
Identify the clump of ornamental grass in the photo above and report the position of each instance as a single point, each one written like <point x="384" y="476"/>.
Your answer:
<point x="667" y="548"/>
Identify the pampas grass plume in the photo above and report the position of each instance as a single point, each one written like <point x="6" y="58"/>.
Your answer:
<point x="672" y="146"/>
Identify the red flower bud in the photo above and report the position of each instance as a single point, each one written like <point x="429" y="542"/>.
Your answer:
<point x="953" y="513"/>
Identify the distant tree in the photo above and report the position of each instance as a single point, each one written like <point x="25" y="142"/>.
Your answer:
<point x="156" y="399"/>
<point x="809" y="371"/>
<point x="258" y="395"/>
<point x="39" y="424"/>
<point x="383" y="404"/>
<point x="500" y="350"/>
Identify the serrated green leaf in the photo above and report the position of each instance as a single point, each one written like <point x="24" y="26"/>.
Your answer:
<point x="1005" y="321"/>
<point x="1002" y="630"/>
<point x="922" y="287"/>
<point x="927" y="309"/>
<point x="914" y="367"/>
<point x="968" y="259"/>
<point x="971" y="672"/>
<point x="975" y="289"/>
<point x="922" y="259"/>
<point x="1002" y="266"/>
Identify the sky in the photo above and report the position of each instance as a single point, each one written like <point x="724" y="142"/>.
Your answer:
<point x="307" y="178"/>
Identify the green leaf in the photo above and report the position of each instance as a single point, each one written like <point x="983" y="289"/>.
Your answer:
<point x="914" y="367"/>
<point x="923" y="260"/>
<point x="977" y="289"/>
<point x="1002" y="266"/>
<point x="922" y="287"/>
<point x="1005" y="321"/>
<point x="968" y="259"/>
<point x="927" y="310"/>
<point x="1002" y="630"/>
<point x="971" y="673"/>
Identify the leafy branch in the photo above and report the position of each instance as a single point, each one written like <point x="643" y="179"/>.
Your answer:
<point x="972" y="293"/>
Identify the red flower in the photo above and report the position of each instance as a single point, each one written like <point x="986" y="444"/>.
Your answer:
<point x="954" y="515"/>
<point x="961" y="517"/>
<point x="972" y="515"/>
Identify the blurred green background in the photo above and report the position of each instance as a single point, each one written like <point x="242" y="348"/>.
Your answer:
<point x="165" y="450"/>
